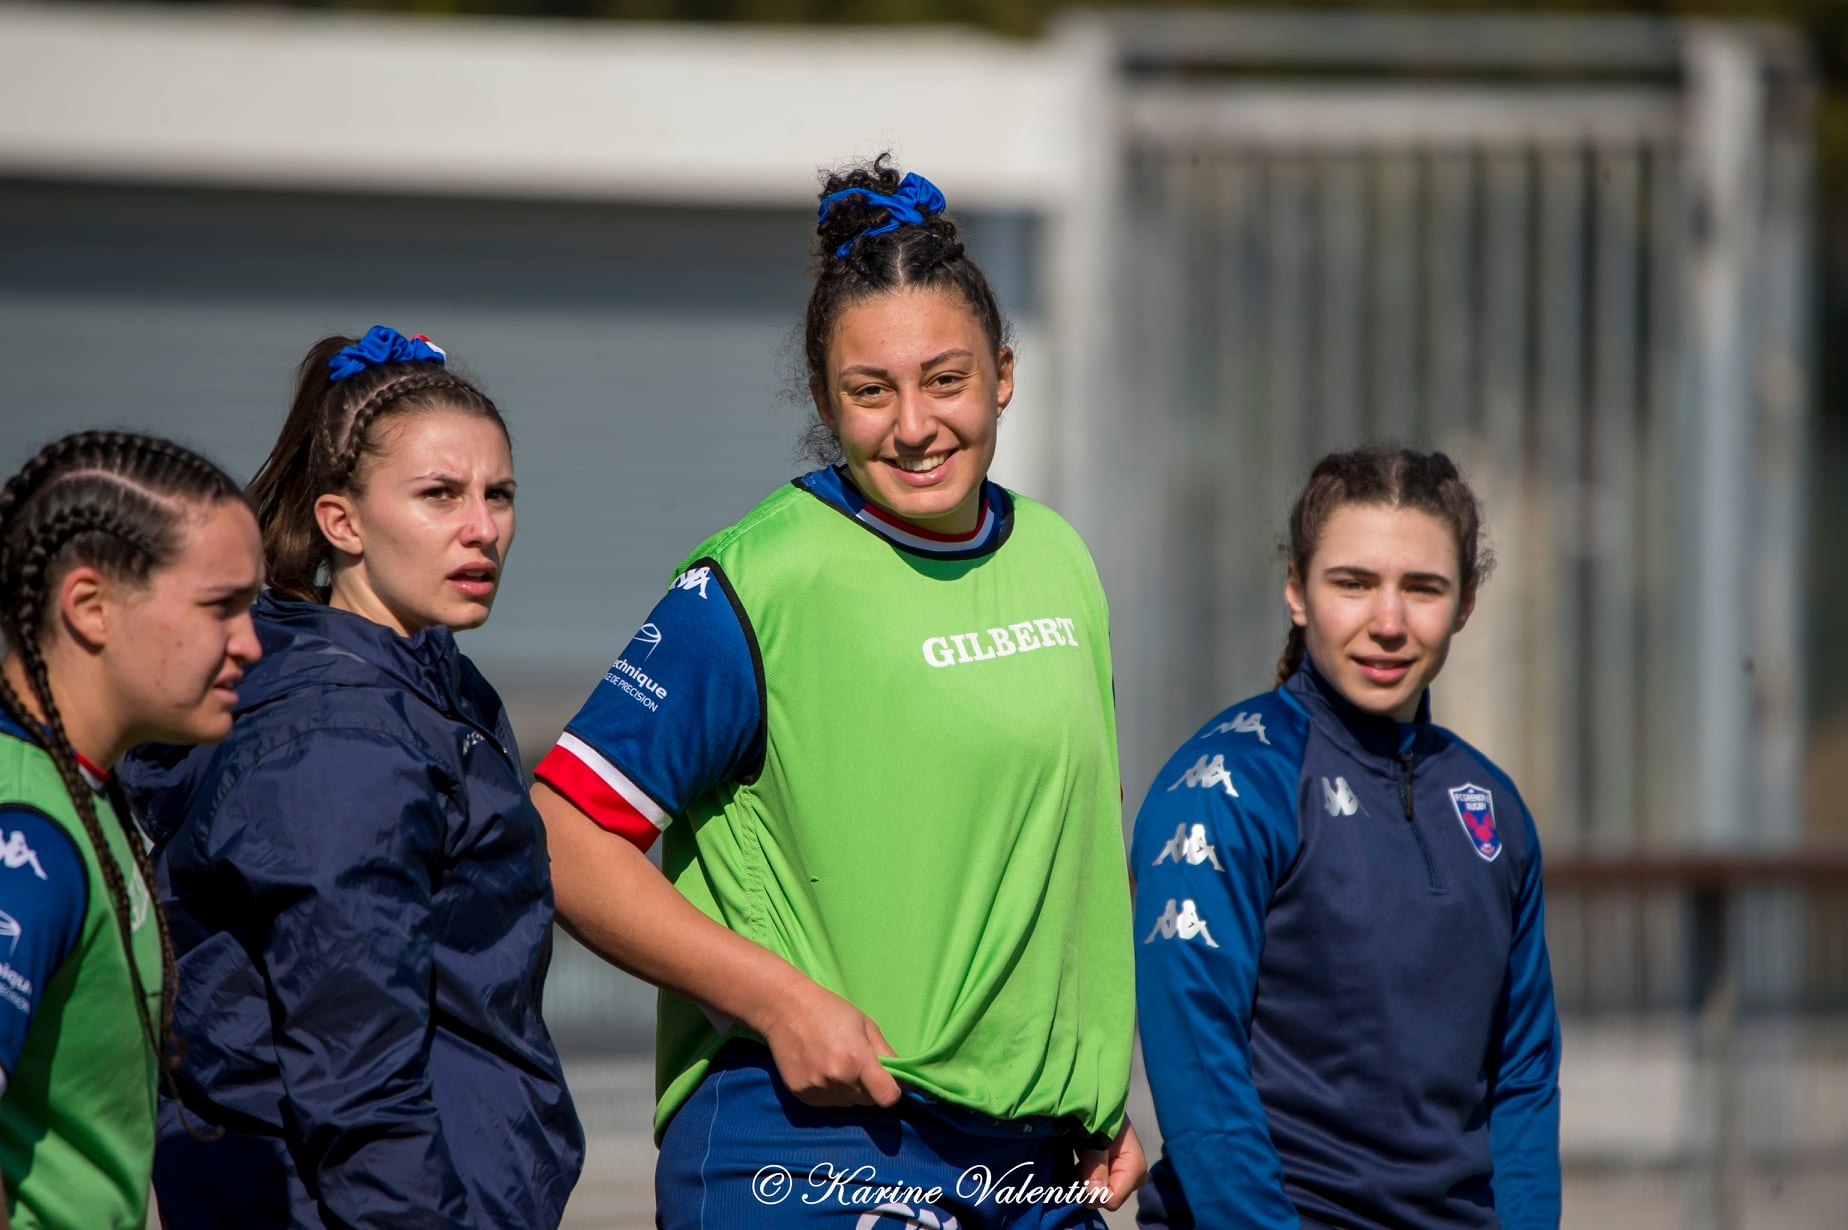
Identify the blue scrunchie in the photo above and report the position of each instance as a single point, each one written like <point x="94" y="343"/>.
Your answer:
<point x="916" y="197"/>
<point x="382" y="344"/>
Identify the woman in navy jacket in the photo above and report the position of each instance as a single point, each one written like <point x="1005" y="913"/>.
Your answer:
<point x="1342" y="980"/>
<point x="358" y="886"/>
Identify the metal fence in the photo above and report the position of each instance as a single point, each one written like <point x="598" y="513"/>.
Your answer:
<point x="1570" y="253"/>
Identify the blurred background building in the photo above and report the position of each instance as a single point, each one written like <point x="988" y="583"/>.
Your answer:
<point x="1582" y="253"/>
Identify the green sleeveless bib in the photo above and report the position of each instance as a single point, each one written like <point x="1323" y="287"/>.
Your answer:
<point x="936" y="831"/>
<point x="77" y="1120"/>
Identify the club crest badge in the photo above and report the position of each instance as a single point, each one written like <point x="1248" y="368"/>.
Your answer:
<point x="1476" y="809"/>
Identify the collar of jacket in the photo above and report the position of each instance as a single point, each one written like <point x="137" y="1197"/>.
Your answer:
<point x="1360" y="733"/>
<point x="427" y="662"/>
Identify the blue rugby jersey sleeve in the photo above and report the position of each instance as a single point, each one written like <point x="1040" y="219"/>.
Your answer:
<point x="1523" y="1068"/>
<point x="678" y="713"/>
<point x="1211" y="844"/>
<point x="44" y="892"/>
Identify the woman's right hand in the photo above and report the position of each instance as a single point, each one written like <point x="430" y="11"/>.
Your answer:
<point x="827" y="1050"/>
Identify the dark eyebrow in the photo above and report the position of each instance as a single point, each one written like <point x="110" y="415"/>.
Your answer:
<point x="438" y="476"/>
<point x="867" y="369"/>
<point x="1367" y="574"/>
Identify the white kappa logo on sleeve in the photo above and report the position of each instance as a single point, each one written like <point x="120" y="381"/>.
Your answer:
<point x="1206" y="774"/>
<point x="1183" y="923"/>
<point x="15" y="853"/>
<point x="1242" y="723"/>
<point x="1189" y="846"/>
<point x="694" y="579"/>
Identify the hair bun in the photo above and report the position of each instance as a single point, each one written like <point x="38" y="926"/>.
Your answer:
<point x="871" y="200"/>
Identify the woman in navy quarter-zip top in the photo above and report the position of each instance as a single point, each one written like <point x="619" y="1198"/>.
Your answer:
<point x="1343" y="987"/>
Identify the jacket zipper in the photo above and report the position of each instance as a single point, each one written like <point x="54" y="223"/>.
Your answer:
<point x="1405" y="800"/>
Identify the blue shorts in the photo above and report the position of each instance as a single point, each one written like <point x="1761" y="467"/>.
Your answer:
<point x="743" y="1151"/>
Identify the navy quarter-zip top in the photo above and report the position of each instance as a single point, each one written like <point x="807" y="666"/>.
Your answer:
<point x="361" y="907"/>
<point x="1344" y="994"/>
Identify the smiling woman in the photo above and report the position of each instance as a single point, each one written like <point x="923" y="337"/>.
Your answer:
<point x="358" y="874"/>
<point x="892" y="929"/>
<point x="1325" y="914"/>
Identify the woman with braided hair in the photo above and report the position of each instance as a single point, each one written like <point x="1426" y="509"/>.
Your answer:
<point x="358" y="882"/>
<point x="127" y="569"/>
<point x="892" y="937"/>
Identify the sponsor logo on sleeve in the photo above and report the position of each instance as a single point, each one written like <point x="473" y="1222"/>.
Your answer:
<point x="1189" y="846"/>
<point x="10" y="931"/>
<point x="695" y="579"/>
<point x="15" y="988"/>
<point x="1204" y="774"/>
<point x="1476" y="810"/>
<point x="632" y="680"/>
<point x="15" y="853"/>
<point x="1242" y="723"/>
<point x="1181" y="923"/>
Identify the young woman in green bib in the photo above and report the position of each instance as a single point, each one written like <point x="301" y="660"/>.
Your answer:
<point x="127" y="569"/>
<point x="874" y="721"/>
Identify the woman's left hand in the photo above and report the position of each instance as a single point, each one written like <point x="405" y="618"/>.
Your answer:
<point x="1121" y="1168"/>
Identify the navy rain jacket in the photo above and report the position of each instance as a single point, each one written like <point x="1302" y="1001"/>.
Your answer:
<point x="361" y="906"/>
<point x="1342" y="980"/>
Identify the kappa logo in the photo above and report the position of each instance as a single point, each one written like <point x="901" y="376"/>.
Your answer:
<point x="694" y="579"/>
<point x="1476" y="809"/>
<point x="10" y="931"/>
<point x="1206" y="774"/>
<point x="1338" y="798"/>
<point x="1183" y="924"/>
<point x="15" y="853"/>
<point x="1189" y="846"/>
<point x="1242" y="723"/>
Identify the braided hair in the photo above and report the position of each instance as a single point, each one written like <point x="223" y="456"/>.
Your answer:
<point x="851" y="265"/>
<point x="114" y="501"/>
<point x="325" y="441"/>
<point x="1394" y="478"/>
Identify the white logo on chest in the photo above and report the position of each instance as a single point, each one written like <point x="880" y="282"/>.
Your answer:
<point x="1338" y="798"/>
<point x="962" y="648"/>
